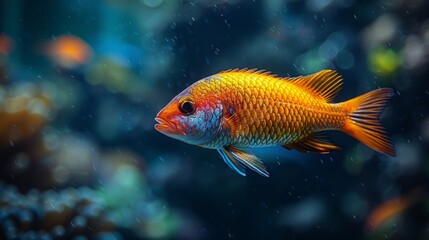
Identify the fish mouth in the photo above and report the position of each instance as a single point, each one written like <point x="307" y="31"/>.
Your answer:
<point x="165" y="126"/>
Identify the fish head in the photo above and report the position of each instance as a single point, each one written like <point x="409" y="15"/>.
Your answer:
<point x="193" y="116"/>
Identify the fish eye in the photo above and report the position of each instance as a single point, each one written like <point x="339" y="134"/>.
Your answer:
<point x="187" y="107"/>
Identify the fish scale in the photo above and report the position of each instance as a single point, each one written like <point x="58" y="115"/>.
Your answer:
<point x="237" y="109"/>
<point x="270" y="113"/>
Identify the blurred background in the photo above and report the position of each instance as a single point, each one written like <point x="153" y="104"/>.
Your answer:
<point x="81" y="82"/>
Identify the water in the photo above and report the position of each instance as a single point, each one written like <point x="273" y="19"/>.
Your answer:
<point x="81" y="83"/>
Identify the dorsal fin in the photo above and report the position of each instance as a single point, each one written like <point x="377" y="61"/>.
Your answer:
<point x="231" y="122"/>
<point x="326" y="83"/>
<point x="250" y="71"/>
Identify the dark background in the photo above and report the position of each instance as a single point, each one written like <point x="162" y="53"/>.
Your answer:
<point x="81" y="82"/>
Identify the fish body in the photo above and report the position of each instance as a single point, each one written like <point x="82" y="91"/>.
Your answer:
<point x="235" y="110"/>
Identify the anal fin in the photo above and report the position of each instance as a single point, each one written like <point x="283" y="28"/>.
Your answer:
<point x="314" y="143"/>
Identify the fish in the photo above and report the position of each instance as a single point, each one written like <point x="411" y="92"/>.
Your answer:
<point x="240" y="109"/>
<point x="6" y="44"/>
<point x="393" y="207"/>
<point x="69" y="51"/>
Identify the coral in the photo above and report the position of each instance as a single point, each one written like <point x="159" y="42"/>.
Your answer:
<point x="53" y="215"/>
<point x="23" y="113"/>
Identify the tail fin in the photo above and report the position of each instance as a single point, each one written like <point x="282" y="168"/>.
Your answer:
<point x="362" y="120"/>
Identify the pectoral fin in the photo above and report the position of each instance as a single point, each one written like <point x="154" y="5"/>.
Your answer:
<point x="231" y="122"/>
<point x="232" y="162"/>
<point x="248" y="159"/>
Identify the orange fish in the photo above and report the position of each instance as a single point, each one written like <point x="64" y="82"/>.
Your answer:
<point x="6" y="44"/>
<point x="69" y="51"/>
<point x="392" y="208"/>
<point x="235" y="110"/>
